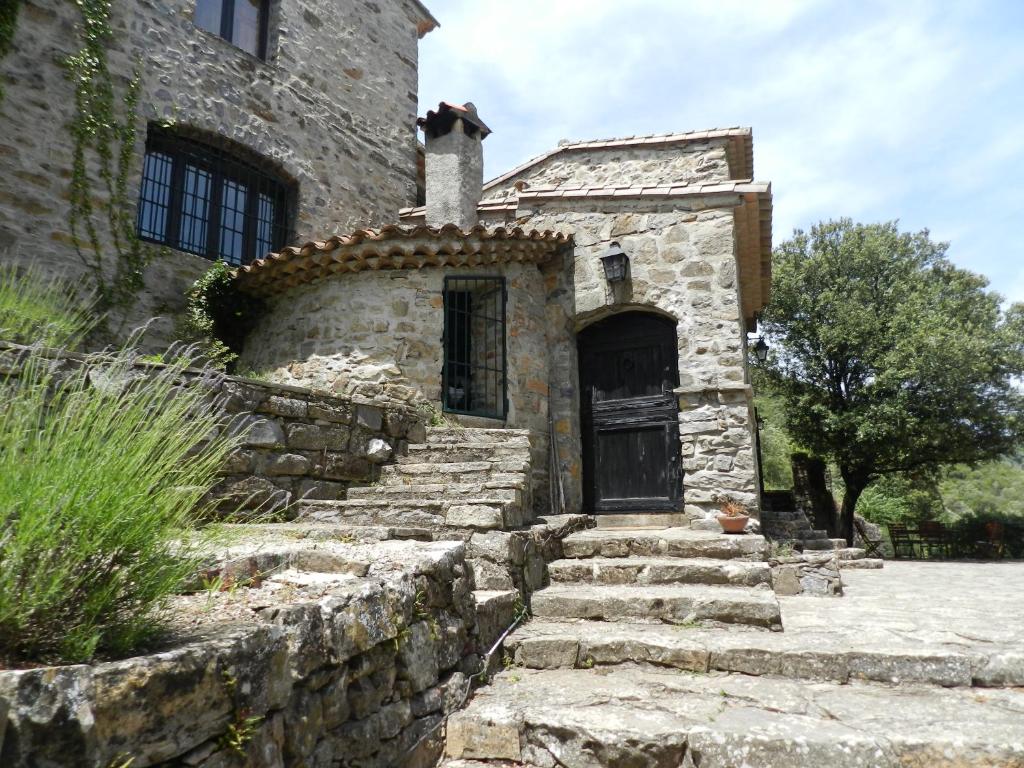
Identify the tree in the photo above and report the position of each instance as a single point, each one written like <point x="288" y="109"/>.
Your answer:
<point x="888" y="358"/>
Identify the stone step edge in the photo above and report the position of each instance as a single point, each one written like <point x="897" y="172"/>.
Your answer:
<point x="405" y="504"/>
<point x="741" y="569"/>
<point x="928" y="666"/>
<point x="670" y="604"/>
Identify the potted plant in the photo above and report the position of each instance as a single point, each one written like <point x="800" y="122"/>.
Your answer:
<point x="733" y="517"/>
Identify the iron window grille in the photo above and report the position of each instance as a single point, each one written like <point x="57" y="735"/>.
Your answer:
<point x="243" y="23"/>
<point x="199" y="198"/>
<point x="474" y="378"/>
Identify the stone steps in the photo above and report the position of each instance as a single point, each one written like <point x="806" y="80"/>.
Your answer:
<point x="659" y="570"/>
<point x="667" y="542"/>
<point x="816" y="545"/>
<point x="545" y="644"/>
<point x="866" y="563"/>
<point x="433" y="513"/>
<point x="456" y="435"/>
<point x="640" y="717"/>
<point x="430" y="453"/>
<point x="670" y="604"/>
<point x="504" y="491"/>
<point x="465" y="472"/>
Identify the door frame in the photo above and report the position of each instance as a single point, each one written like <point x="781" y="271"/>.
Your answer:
<point x="654" y="411"/>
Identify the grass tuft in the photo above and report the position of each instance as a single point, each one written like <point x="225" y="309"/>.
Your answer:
<point x="38" y="310"/>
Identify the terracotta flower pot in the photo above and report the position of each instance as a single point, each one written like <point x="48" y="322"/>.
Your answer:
<point x="734" y="524"/>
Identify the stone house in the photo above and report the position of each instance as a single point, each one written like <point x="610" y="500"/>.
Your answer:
<point x="602" y="293"/>
<point x="260" y="121"/>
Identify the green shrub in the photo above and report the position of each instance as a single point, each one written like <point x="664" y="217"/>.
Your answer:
<point x="36" y="309"/>
<point x="219" y="316"/>
<point x="103" y="475"/>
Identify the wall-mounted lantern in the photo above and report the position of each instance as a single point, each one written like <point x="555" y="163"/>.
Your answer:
<point x="616" y="263"/>
<point x="761" y="349"/>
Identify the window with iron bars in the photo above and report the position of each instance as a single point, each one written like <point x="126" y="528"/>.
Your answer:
<point x="474" y="377"/>
<point x="203" y="199"/>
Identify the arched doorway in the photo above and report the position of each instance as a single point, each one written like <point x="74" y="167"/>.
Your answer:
<point x="630" y="416"/>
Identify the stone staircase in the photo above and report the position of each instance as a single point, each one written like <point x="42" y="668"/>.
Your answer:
<point x="653" y="647"/>
<point x="457" y="482"/>
<point x="782" y="522"/>
<point x="671" y="576"/>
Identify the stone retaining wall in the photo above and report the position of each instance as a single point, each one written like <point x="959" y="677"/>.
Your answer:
<point x="807" y="574"/>
<point x="300" y="444"/>
<point x="296" y="443"/>
<point x="348" y="656"/>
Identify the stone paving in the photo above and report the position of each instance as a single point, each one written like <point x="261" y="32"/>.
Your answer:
<point x="967" y="605"/>
<point x="920" y="664"/>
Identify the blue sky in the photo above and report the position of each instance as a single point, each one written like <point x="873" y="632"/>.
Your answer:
<point x="874" y="110"/>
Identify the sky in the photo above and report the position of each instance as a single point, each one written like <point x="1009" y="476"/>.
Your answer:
<point x="904" y="109"/>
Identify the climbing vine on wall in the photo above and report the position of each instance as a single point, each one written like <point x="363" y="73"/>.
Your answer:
<point x="103" y="131"/>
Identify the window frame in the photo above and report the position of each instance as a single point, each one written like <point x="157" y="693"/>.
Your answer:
<point x="227" y="27"/>
<point x="500" y="372"/>
<point x="223" y="166"/>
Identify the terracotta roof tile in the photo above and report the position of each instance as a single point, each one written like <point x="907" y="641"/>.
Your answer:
<point x="396" y="247"/>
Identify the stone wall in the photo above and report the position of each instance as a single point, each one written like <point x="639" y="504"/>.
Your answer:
<point x="300" y="444"/>
<point x="332" y="107"/>
<point x="296" y="443"/>
<point x="696" y="161"/>
<point x="341" y="653"/>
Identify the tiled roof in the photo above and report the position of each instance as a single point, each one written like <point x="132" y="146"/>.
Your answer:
<point x="695" y="189"/>
<point x="740" y="149"/>
<point x="396" y="247"/>
<point x="427" y="22"/>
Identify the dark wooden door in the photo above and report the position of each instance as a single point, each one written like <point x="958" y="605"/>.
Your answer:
<point x="630" y="417"/>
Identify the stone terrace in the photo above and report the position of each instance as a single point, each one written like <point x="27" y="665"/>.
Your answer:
<point x="890" y="675"/>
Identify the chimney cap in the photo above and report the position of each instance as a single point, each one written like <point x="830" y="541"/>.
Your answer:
<point x="440" y="122"/>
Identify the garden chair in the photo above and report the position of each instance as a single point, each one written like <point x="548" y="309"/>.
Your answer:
<point x="872" y="547"/>
<point x="903" y="544"/>
<point x="994" y="543"/>
<point x="934" y="537"/>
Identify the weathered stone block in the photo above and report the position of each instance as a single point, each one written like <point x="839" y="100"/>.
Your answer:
<point x="313" y="437"/>
<point x="285" y="406"/>
<point x="478" y="516"/>
<point x="344" y="466"/>
<point x="287" y="464"/>
<point x="378" y="451"/>
<point x="470" y="737"/>
<point x="335" y="412"/>
<point x="320" y="490"/>
<point x="417" y="655"/>
<point x="370" y="416"/>
<point x="258" y="432"/>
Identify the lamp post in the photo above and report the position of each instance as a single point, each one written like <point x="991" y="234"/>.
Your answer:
<point x="616" y="263"/>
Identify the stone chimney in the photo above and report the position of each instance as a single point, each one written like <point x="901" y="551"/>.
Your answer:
<point x="455" y="164"/>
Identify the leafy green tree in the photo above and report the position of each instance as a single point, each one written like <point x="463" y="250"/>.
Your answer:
<point x="889" y="359"/>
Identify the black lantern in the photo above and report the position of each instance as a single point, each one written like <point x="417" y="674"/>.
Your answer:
<point x="616" y="263"/>
<point x="761" y="349"/>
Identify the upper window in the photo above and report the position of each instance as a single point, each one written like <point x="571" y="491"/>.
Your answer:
<point x="474" y="375"/>
<point x="241" y="22"/>
<point x="197" y="198"/>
